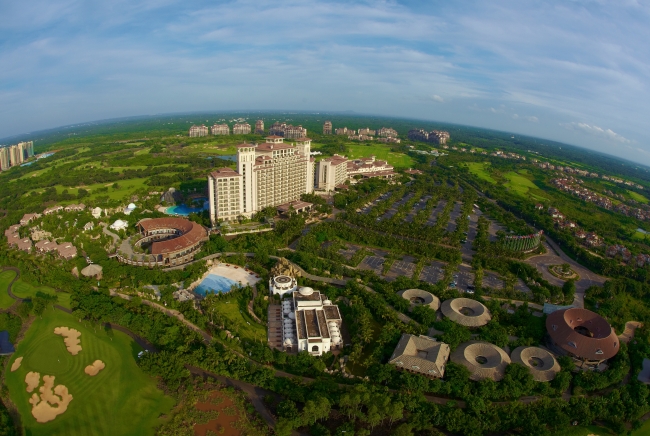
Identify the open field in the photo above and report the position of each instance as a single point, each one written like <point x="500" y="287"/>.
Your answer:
<point x="480" y="171"/>
<point x="381" y="152"/>
<point x="25" y="290"/>
<point x="239" y="321"/>
<point x="120" y="400"/>
<point x="126" y="188"/>
<point x="5" y="278"/>
<point x="522" y="185"/>
<point x="637" y="197"/>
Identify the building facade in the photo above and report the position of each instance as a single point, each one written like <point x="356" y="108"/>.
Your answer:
<point x="387" y="132"/>
<point x="268" y="175"/>
<point x="241" y="129"/>
<point x="13" y="155"/>
<point x="259" y="127"/>
<point x="220" y="129"/>
<point x="327" y="128"/>
<point x="435" y="136"/>
<point x="331" y="172"/>
<point x="197" y="131"/>
<point x="287" y="131"/>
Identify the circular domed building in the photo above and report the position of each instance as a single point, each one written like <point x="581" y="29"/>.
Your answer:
<point x="582" y="334"/>
<point x="466" y="311"/>
<point x="483" y="359"/>
<point x="418" y="297"/>
<point x="540" y="362"/>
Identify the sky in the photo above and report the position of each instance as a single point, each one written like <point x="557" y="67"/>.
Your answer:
<point x="575" y="71"/>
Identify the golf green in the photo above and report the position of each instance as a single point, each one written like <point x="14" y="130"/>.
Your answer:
<point x="5" y="278"/>
<point x="120" y="400"/>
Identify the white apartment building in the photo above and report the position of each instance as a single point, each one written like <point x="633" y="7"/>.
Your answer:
<point x="268" y="175"/>
<point x="5" y="160"/>
<point x="241" y="129"/>
<point x="197" y="131"/>
<point x="220" y="129"/>
<point x="331" y="172"/>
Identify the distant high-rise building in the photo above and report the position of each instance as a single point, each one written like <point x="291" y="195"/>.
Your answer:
<point x="367" y="132"/>
<point x="241" y="129"/>
<point x="287" y="131"/>
<point x="435" y="136"/>
<point x="16" y="155"/>
<point x="197" y="131"/>
<point x="327" y="128"/>
<point x="5" y="160"/>
<point x="27" y="148"/>
<point x="259" y="127"/>
<point x="220" y="129"/>
<point x="345" y="131"/>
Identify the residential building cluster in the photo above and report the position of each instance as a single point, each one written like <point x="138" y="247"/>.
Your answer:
<point x="584" y="173"/>
<point x="571" y="185"/>
<point x="439" y="137"/>
<point x="385" y="134"/>
<point x="589" y="239"/>
<point x="14" y="155"/>
<point x="43" y="244"/>
<point x="240" y="128"/>
<point x="507" y="155"/>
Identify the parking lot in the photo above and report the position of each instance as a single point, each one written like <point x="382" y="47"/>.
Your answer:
<point x="417" y="207"/>
<point x="463" y="277"/>
<point x="435" y="212"/>
<point x="393" y="210"/>
<point x="492" y="280"/>
<point x="401" y="268"/>
<point x="373" y="263"/>
<point x="433" y="272"/>
<point x="455" y="213"/>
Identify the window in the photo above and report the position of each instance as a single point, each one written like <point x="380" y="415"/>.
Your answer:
<point x="599" y="351"/>
<point x="573" y="344"/>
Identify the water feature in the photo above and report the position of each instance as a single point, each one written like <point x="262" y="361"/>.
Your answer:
<point x="184" y="210"/>
<point x="231" y="157"/>
<point x="215" y="284"/>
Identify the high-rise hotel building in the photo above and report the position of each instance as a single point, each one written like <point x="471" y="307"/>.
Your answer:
<point x="268" y="175"/>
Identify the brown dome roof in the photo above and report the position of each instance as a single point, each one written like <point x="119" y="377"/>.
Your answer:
<point x="540" y="362"/>
<point x="583" y="333"/>
<point x="483" y="359"/>
<point x="466" y="311"/>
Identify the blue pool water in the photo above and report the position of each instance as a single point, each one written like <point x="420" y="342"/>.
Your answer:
<point x="215" y="284"/>
<point x="183" y="210"/>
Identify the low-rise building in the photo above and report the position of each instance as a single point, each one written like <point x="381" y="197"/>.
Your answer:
<point x="53" y="209"/>
<point x="28" y="218"/>
<point x="420" y="355"/>
<point x="387" y="132"/>
<point x="75" y="207"/>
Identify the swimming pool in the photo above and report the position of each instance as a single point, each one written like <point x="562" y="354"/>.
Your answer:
<point x="184" y="210"/>
<point x="215" y="284"/>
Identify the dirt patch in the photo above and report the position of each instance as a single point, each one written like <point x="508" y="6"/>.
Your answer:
<point x="71" y="339"/>
<point x="226" y="423"/>
<point x="16" y="364"/>
<point x="93" y="370"/>
<point x="33" y="379"/>
<point x="43" y="407"/>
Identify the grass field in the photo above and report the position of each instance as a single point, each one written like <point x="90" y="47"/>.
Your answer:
<point x="637" y="197"/>
<point x="381" y="152"/>
<point x="240" y="321"/>
<point x="522" y="185"/>
<point x="644" y="430"/>
<point x="586" y="431"/>
<point x="5" y="278"/>
<point x="479" y="169"/>
<point x="120" y="400"/>
<point x="25" y="290"/>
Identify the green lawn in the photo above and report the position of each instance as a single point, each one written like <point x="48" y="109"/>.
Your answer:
<point x="586" y="431"/>
<point x="380" y="151"/>
<point x="239" y="321"/>
<point x="5" y="278"/>
<point x="522" y="185"/>
<point x="120" y="400"/>
<point x="479" y="169"/>
<point x="644" y="430"/>
<point x="25" y="290"/>
<point x="637" y="197"/>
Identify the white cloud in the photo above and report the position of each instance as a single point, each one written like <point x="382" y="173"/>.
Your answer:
<point x="597" y="131"/>
<point x="532" y="119"/>
<point x="515" y="116"/>
<point x="436" y="97"/>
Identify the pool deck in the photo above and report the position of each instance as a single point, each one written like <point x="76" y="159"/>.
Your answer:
<point x="236" y="273"/>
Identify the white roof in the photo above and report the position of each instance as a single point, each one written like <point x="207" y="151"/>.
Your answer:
<point x="131" y="206"/>
<point x="119" y="224"/>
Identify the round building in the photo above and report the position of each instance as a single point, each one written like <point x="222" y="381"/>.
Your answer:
<point x="582" y="334"/>
<point x="540" y="362"/>
<point x="483" y="359"/>
<point x="466" y="311"/>
<point x="418" y="297"/>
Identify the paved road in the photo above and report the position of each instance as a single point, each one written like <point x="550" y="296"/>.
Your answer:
<point x="555" y="256"/>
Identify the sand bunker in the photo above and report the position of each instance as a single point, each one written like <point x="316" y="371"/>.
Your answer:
<point x="16" y="364"/>
<point x="43" y="408"/>
<point x="72" y="341"/>
<point x="94" y="369"/>
<point x="33" y="379"/>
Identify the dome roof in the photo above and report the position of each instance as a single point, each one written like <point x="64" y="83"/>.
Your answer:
<point x="131" y="206"/>
<point x="540" y="362"/>
<point x="582" y="333"/>
<point x="466" y="311"/>
<point x="483" y="359"/>
<point x="306" y="290"/>
<point x="327" y="302"/>
<point x="419" y="297"/>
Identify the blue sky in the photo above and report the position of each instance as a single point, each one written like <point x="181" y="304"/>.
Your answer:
<point x="573" y="71"/>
